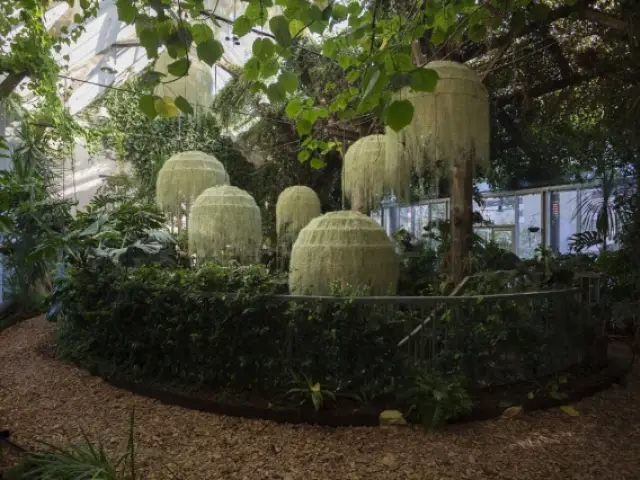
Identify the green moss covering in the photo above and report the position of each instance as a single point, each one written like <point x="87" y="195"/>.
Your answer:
<point x="347" y="248"/>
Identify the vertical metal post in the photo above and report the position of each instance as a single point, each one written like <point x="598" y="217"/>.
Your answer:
<point x="544" y="212"/>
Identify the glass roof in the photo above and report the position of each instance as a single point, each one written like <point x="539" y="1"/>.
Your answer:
<point x="107" y="40"/>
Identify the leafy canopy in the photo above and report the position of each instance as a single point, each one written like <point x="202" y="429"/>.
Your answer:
<point x="371" y="44"/>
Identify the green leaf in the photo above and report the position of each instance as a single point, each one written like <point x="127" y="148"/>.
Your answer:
<point x="288" y="81"/>
<point x="304" y="155"/>
<point x="424" y="80"/>
<point x="152" y="77"/>
<point x="353" y="75"/>
<point x="399" y="114"/>
<point x="150" y="41"/>
<point x="126" y="10"/>
<point x="252" y="69"/>
<point x="322" y="112"/>
<point x="257" y="13"/>
<point x="303" y="127"/>
<point x="77" y="18"/>
<point x="201" y="33"/>
<point x="375" y="82"/>
<point x="317" y="163"/>
<point x="268" y="48"/>
<point x="275" y="93"/>
<point x="437" y="37"/>
<point x="283" y="52"/>
<point x="329" y="48"/>
<point x="146" y="105"/>
<point x="257" y="87"/>
<point x="403" y="62"/>
<point x="339" y="12"/>
<point x="477" y="32"/>
<point x="179" y="68"/>
<point x="294" y="107"/>
<point x="210" y="51"/>
<point x="183" y="104"/>
<point x="263" y="48"/>
<point x="269" y="68"/>
<point x="241" y="26"/>
<point x="344" y="61"/>
<point x="354" y="8"/>
<point x="165" y="107"/>
<point x="296" y="26"/>
<point x="539" y="12"/>
<point x="319" y="26"/>
<point x="280" y="29"/>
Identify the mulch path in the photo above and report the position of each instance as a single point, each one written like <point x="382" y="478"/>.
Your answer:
<point x="42" y="399"/>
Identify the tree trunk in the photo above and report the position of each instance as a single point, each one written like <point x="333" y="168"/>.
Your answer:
<point x="461" y="218"/>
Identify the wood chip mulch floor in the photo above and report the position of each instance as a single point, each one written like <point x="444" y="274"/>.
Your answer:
<point x="42" y="399"/>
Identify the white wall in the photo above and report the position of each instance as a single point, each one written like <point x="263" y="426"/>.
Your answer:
<point x="82" y="177"/>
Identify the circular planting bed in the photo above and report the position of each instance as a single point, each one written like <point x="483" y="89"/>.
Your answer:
<point x="551" y="391"/>
<point x="327" y="360"/>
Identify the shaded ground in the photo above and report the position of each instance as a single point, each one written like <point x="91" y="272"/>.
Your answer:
<point x="44" y="399"/>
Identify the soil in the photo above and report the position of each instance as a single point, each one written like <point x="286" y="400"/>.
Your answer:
<point x="489" y="403"/>
<point x="43" y="399"/>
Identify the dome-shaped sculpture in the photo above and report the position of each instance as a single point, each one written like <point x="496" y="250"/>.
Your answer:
<point x="196" y="86"/>
<point x="185" y="176"/>
<point x="295" y="208"/>
<point x="346" y="247"/>
<point x="225" y="223"/>
<point x="363" y="175"/>
<point x="451" y="121"/>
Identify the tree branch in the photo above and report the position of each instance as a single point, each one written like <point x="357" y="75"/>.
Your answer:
<point x="518" y="137"/>
<point x="9" y="84"/>
<point x="554" y="15"/>
<point x="556" y="50"/>
<point x="558" y="84"/>
<point x="605" y="19"/>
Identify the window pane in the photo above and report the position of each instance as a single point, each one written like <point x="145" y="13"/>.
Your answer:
<point x="404" y="219"/>
<point x="500" y="210"/>
<point x="504" y="238"/>
<point x="567" y="218"/>
<point x="421" y="213"/>
<point x="529" y="224"/>
<point x="438" y="211"/>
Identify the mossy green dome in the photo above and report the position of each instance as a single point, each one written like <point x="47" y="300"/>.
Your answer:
<point x="185" y="176"/>
<point x="295" y="208"/>
<point x="348" y="248"/>
<point x="225" y="222"/>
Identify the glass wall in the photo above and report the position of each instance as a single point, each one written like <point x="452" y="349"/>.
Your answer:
<point x="405" y="219"/>
<point x="565" y="218"/>
<point x="421" y="213"/>
<point x="518" y="221"/>
<point x="529" y="224"/>
<point x="499" y="210"/>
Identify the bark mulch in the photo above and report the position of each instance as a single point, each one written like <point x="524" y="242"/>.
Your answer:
<point x="42" y="399"/>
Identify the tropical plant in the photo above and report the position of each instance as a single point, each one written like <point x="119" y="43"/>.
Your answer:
<point x="32" y="216"/>
<point x="308" y="390"/>
<point x="83" y="461"/>
<point x="600" y="211"/>
<point x="437" y="399"/>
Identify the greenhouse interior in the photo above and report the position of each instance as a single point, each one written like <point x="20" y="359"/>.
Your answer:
<point x="544" y="217"/>
<point x="319" y="239"/>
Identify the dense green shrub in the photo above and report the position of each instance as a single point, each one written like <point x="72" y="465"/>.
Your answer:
<point x="227" y="329"/>
<point x="219" y="327"/>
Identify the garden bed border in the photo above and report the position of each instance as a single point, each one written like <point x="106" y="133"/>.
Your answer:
<point x="583" y="387"/>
